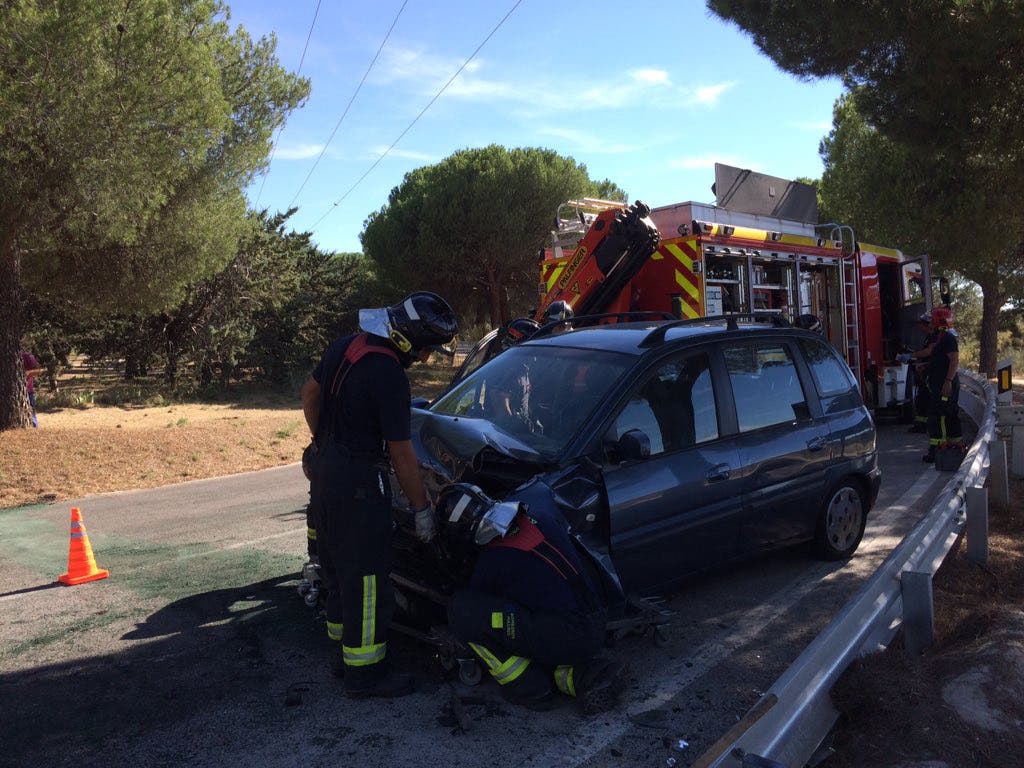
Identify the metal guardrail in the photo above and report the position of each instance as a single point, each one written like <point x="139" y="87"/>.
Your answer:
<point x="796" y="714"/>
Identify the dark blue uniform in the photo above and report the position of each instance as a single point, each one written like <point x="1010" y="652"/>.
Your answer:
<point x="944" y="425"/>
<point x="365" y="402"/>
<point x="530" y="611"/>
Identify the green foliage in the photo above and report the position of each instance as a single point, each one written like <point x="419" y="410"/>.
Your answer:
<point x="471" y="226"/>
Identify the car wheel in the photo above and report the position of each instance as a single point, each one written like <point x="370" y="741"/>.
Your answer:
<point x="842" y="520"/>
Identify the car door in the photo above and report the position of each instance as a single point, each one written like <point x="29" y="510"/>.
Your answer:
<point x="784" y="443"/>
<point x="677" y="510"/>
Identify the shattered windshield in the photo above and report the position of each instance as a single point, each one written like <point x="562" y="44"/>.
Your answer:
<point x="538" y="394"/>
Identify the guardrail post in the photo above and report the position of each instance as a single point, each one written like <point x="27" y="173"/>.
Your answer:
<point x="977" y="525"/>
<point x="999" y="479"/>
<point x="1017" y="459"/>
<point x="918" y="610"/>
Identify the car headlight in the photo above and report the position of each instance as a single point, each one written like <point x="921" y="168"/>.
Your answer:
<point x="496" y="521"/>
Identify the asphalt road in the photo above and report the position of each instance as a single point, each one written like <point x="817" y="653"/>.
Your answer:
<point x="198" y="651"/>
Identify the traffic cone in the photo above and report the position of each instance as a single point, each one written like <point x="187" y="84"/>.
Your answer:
<point x="81" y="563"/>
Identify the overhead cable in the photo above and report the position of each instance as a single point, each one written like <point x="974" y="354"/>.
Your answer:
<point x="347" y="106"/>
<point x="273" y="147"/>
<point x="416" y="119"/>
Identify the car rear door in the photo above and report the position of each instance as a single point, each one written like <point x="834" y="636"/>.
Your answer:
<point x="678" y="510"/>
<point x="784" y="442"/>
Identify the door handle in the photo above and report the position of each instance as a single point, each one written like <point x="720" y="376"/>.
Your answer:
<point x="816" y="444"/>
<point x="721" y="472"/>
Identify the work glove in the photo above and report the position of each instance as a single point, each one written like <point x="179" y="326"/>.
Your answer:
<point x="906" y="357"/>
<point x="426" y="523"/>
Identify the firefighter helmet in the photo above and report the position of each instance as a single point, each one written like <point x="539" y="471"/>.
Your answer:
<point x="808" y="322"/>
<point x="516" y="331"/>
<point x="469" y="516"/>
<point x="558" y="311"/>
<point x="422" y="321"/>
<point x="942" y="317"/>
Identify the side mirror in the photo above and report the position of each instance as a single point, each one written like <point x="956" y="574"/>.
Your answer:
<point x="944" y="292"/>
<point x="634" y="445"/>
<point x="420" y="402"/>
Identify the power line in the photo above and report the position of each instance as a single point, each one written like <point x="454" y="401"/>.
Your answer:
<point x="416" y="119"/>
<point x="347" y="106"/>
<point x="273" y="147"/>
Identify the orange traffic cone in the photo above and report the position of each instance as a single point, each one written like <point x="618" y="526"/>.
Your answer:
<point x="81" y="563"/>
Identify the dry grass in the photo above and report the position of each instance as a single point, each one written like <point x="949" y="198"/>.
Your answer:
<point x="94" y="449"/>
<point x="881" y="727"/>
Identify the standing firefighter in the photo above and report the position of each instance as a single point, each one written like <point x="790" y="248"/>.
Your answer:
<point x="530" y="613"/>
<point x="357" y="405"/>
<point x="943" y="359"/>
<point x="919" y="372"/>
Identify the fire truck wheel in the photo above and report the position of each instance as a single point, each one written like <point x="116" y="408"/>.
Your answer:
<point x="841" y="521"/>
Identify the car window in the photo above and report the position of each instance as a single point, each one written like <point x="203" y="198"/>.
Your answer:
<point x="765" y="385"/>
<point x="831" y="374"/>
<point x="674" y="406"/>
<point x="539" y="394"/>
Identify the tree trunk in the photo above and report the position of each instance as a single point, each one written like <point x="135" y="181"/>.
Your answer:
<point x="991" y="302"/>
<point x="497" y="308"/>
<point x="13" y="391"/>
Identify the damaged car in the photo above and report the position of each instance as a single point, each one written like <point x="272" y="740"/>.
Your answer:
<point x="669" y="447"/>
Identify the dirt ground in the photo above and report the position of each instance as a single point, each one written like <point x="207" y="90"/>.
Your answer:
<point x="978" y="620"/>
<point x="91" y="448"/>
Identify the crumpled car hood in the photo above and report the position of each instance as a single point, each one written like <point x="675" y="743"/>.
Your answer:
<point x="455" y="446"/>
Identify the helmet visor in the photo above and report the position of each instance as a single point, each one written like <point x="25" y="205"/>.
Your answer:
<point x="495" y="522"/>
<point x="375" y="321"/>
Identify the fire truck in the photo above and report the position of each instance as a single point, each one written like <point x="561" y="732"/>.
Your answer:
<point x="701" y="260"/>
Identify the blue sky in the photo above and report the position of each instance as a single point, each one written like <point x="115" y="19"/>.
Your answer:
<point x="648" y="94"/>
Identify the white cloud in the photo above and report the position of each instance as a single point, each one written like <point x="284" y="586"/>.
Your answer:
<point x="709" y="94"/>
<point x="653" y="76"/>
<point x="695" y="162"/>
<point x="298" y="152"/>
<point x="586" y="142"/>
<point x="409" y="154"/>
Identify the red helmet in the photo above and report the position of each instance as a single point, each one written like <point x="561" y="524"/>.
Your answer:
<point x="942" y="317"/>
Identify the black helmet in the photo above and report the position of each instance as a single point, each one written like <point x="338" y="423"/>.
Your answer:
<point x="469" y="516"/>
<point x="558" y="311"/>
<point x="516" y="331"/>
<point x="808" y="322"/>
<point x="421" y="321"/>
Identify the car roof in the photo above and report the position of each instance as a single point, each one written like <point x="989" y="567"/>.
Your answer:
<point x="629" y="338"/>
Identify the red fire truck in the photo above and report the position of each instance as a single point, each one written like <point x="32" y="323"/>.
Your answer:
<point x="708" y="260"/>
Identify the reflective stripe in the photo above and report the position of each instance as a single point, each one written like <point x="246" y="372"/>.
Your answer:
<point x="497" y="620"/>
<point x="369" y="609"/>
<point x="334" y="630"/>
<point x="504" y="672"/>
<point x="77" y="535"/>
<point x="564" y="680"/>
<point x="410" y="309"/>
<point x="311" y="534"/>
<point x="364" y="655"/>
<point x="922" y="419"/>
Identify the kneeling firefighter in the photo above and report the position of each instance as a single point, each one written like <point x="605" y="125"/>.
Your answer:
<point x="357" y="405"/>
<point x="529" y="611"/>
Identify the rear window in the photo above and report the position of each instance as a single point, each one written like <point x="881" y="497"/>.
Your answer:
<point x="765" y="385"/>
<point x="831" y="375"/>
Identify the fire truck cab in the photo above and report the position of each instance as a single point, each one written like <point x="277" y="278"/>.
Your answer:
<point x="711" y="260"/>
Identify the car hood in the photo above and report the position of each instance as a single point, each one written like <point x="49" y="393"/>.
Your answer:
<point x="456" y="447"/>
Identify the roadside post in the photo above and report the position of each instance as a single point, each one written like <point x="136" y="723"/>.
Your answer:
<point x="977" y="524"/>
<point x="1004" y="382"/>
<point x="918" y="610"/>
<point x="998" y="477"/>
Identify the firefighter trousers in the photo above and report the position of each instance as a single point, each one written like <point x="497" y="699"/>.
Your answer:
<point x="944" y="425"/>
<point x="508" y="637"/>
<point x="354" y="543"/>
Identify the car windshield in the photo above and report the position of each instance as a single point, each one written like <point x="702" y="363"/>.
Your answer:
<point x="538" y="394"/>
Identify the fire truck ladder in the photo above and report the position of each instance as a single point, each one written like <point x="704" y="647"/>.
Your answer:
<point x="851" y="302"/>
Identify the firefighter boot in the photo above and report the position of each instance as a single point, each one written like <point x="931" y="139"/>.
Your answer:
<point x="532" y="690"/>
<point x="929" y="458"/>
<point x="377" y="681"/>
<point x="598" y="685"/>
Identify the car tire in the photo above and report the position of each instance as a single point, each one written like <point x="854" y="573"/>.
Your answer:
<point x="841" y="521"/>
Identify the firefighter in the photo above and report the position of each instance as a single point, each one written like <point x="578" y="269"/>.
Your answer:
<point x="943" y="359"/>
<point x="512" y="392"/>
<point x="918" y="371"/>
<point x="529" y="611"/>
<point x="559" y="312"/>
<point x="357" y="405"/>
<point x="809" y="322"/>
